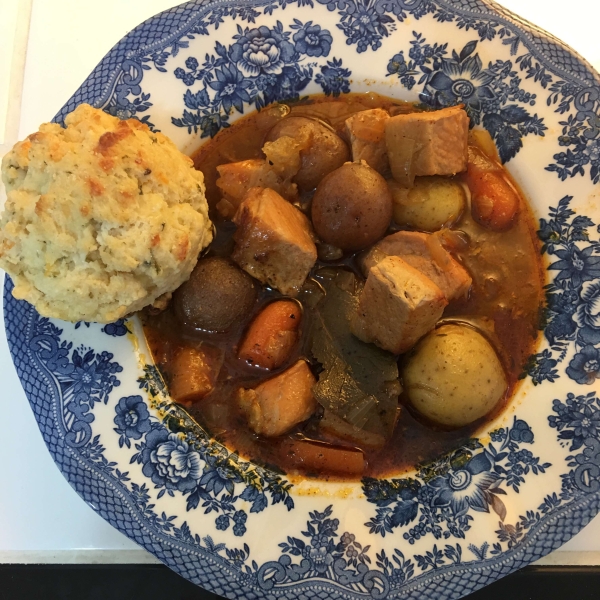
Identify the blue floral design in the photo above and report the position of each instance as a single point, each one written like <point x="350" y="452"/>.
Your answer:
<point x="333" y="78"/>
<point x="262" y="50"/>
<point x="467" y="488"/>
<point x="262" y="65"/>
<point x="573" y="298"/>
<point x="311" y="40"/>
<point x="440" y="499"/>
<point x="231" y="88"/>
<point x="170" y="462"/>
<point x="492" y="96"/>
<point x="327" y="555"/>
<point x="132" y="419"/>
<point x="116" y="329"/>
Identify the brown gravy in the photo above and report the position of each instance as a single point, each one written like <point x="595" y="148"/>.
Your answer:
<point x="504" y="304"/>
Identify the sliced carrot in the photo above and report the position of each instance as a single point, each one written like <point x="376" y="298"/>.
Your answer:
<point x="272" y="335"/>
<point x="494" y="201"/>
<point x="195" y="372"/>
<point x="317" y="457"/>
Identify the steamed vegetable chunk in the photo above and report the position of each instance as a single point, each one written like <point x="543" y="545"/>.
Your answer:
<point x="359" y="382"/>
<point x="272" y="335"/>
<point x="432" y="203"/>
<point x="366" y="131"/>
<point x="397" y="306"/>
<point x="323" y="150"/>
<point x="273" y="241"/>
<point x="278" y="404"/>
<point x="236" y="179"/>
<point x="425" y="253"/>
<point x="494" y="201"/>
<point x="215" y="297"/>
<point x="438" y="140"/>
<point x="454" y="377"/>
<point x="318" y="457"/>
<point x="352" y="207"/>
<point x="195" y="372"/>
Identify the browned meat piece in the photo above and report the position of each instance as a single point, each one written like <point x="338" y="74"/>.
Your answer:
<point x="439" y="139"/>
<point x="366" y="132"/>
<point x="425" y="253"/>
<point x="278" y="404"/>
<point x="397" y="306"/>
<point x="237" y="178"/>
<point x="195" y="372"/>
<point x="273" y="241"/>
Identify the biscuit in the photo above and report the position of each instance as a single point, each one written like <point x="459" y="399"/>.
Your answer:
<point x="102" y="217"/>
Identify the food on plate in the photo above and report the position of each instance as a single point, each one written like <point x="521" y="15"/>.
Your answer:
<point x="366" y="132"/>
<point x="321" y="149"/>
<point x="352" y="207"/>
<point x="396" y="288"/>
<point x="431" y="204"/>
<point x="102" y="218"/>
<point x="272" y="335"/>
<point x="494" y="200"/>
<point x="397" y="306"/>
<point x="216" y="296"/>
<point x="433" y="142"/>
<point x="277" y="404"/>
<point x="454" y="376"/>
<point x="426" y="253"/>
<point x="369" y="298"/>
<point x="273" y="241"/>
<point x="195" y="372"/>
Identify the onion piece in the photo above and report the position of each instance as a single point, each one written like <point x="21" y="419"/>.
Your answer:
<point x="402" y="162"/>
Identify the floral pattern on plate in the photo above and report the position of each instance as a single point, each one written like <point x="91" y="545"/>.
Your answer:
<point x="523" y="487"/>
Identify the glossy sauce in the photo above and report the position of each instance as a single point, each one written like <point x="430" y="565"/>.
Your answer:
<point x="503" y="304"/>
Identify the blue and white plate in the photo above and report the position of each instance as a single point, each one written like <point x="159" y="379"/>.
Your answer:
<point x="531" y="480"/>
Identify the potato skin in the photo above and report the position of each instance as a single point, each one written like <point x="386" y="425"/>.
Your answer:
<point x="216" y="296"/>
<point x="454" y="376"/>
<point x="430" y="204"/>
<point x="327" y="151"/>
<point x="352" y="207"/>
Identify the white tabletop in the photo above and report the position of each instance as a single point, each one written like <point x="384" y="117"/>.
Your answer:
<point x="47" y="48"/>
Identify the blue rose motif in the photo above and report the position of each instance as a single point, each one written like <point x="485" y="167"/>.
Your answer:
<point x="231" y="87"/>
<point x="170" y="462"/>
<point x="312" y="40"/>
<point x="584" y="368"/>
<point x="261" y="50"/>
<point x="577" y="265"/>
<point x="462" y="82"/>
<point x="133" y="418"/>
<point x="466" y="488"/>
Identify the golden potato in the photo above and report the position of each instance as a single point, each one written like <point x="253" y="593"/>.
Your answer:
<point x="432" y="203"/>
<point x="454" y="376"/>
<point x="352" y="207"/>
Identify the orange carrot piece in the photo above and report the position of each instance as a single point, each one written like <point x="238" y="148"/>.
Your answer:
<point x="494" y="201"/>
<point x="272" y="335"/>
<point x="315" y="457"/>
<point x="195" y="373"/>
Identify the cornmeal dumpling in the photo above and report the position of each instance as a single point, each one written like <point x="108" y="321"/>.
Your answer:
<point x="102" y="217"/>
